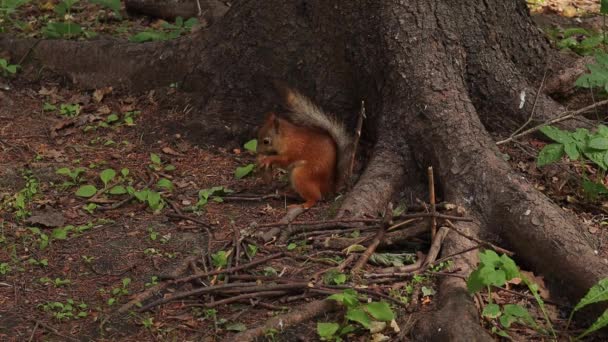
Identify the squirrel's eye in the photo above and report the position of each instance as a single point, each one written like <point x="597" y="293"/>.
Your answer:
<point x="266" y="141"/>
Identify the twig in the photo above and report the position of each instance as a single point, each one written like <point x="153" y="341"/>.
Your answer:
<point x="432" y="202"/>
<point x="52" y="330"/>
<point x="375" y="243"/>
<point x="400" y="224"/>
<point x="453" y="255"/>
<point x="435" y="247"/>
<point x="33" y="332"/>
<point x="338" y="268"/>
<point x="481" y="242"/>
<point x="142" y="296"/>
<point x="565" y="116"/>
<point x="540" y="89"/>
<point x="186" y="217"/>
<point x="244" y="296"/>
<point x="252" y="198"/>
<point x="180" y="295"/>
<point x="355" y="145"/>
<point x="230" y="270"/>
<point x="305" y="223"/>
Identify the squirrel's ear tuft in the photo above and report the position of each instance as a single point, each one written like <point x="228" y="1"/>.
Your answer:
<point x="275" y="123"/>
<point x="285" y="93"/>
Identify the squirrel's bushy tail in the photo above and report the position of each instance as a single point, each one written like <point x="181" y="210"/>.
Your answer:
<point x="306" y="113"/>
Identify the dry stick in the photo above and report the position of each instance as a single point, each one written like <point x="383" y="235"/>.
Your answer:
<point x="142" y="296"/>
<point x="435" y="247"/>
<point x="432" y="202"/>
<point x="271" y="287"/>
<point x="298" y="315"/>
<point x="400" y="224"/>
<point x="53" y="330"/>
<point x="33" y="331"/>
<point x="375" y="243"/>
<point x="455" y="254"/>
<point x="230" y="270"/>
<point x="338" y="268"/>
<point x="355" y="145"/>
<point x="180" y="295"/>
<point x="252" y="198"/>
<point x="306" y="223"/>
<point x="481" y="242"/>
<point x="565" y="116"/>
<point x="244" y="296"/>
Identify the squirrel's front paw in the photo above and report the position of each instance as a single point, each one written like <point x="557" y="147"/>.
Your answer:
<point x="265" y="162"/>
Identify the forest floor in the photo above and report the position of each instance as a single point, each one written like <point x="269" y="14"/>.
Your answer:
<point x="71" y="255"/>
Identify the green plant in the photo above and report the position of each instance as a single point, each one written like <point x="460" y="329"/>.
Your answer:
<point x="215" y="194"/>
<point x="334" y="277"/>
<point x="168" y="31"/>
<point x="57" y="282"/>
<point x="157" y="164"/>
<point x="147" y="322"/>
<point x="219" y="259"/>
<point x="67" y="310"/>
<point x="19" y="202"/>
<point x="7" y="10"/>
<point x="495" y="270"/>
<point x="243" y="171"/>
<point x="119" y="291"/>
<point x="74" y="175"/>
<point x="41" y="262"/>
<point x="113" y="5"/>
<point x="362" y="314"/>
<point x="580" y="144"/>
<point x="153" y="281"/>
<point x="5" y="268"/>
<point x="597" y="293"/>
<point x="8" y="70"/>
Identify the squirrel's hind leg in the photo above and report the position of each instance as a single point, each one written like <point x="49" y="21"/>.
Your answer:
<point x="306" y="185"/>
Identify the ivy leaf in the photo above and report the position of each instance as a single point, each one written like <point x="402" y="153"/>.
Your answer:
<point x="359" y="316"/>
<point x="243" y="171"/>
<point x="327" y="330"/>
<point x="86" y="191"/>
<point x="107" y="175"/>
<point x="251" y="145"/>
<point x="550" y="154"/>
<point x="491" y="311"/>
<point x="118" y="190"/>
<point x="599" y="143"/>
<point x="556" y="134"/>
<point x="380" y="311"/>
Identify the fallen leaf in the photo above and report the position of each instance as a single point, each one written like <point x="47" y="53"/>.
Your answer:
<point x="99" y="94"/>
<point x="170" y="151"/>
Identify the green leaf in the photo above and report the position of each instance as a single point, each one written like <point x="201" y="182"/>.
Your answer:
<point x="118" y="190"/>
<point x="550" y="154"/>
<point x="124" y="172"/>
<point x="154" y="200"/>
<point x="556" y="134"/>
<point x="359" y="316"/>
<point x="86" y="191"/>
<point x="61" y="233"/>
<point x="107" y="175"/>
<point x="572" y="151"/>
<point x="291" y="246"/>
<point x="597" y="293"/>
<point x="604" y="6"/>
<point x="219" y="259"/>
<point x="599" y="143"/>
<point x="64" y="171"/>
<point x="243" y="171"/>
<point x="475" y="282"/>
<point x="148" y="36"/>
<point x="251" y="145"/>
<point x="601" y="322"/>
<point x="327" y="330"/>
<point x="509" y="266"/>
<point x="164" y="183"/>
<point x="380" y="311"/>
<point x="491" y="311"/>
<point x="507" y="320"/>
<point x="348" y="298"/>
<point x="112" y="118"/>
<point x="154" y="158"/>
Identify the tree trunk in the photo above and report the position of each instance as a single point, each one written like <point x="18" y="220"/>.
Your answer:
<point x="435" y="77"/>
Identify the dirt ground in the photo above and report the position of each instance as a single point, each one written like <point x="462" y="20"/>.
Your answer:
<point x="59" y="283"/>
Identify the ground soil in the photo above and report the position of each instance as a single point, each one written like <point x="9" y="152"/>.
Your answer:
<point x="132" y="242"/>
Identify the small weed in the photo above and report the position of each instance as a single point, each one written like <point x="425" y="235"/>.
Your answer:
<point x="67" y="310"/>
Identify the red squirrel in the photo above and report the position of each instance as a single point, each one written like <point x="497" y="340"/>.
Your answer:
<point x="309" y="143"/>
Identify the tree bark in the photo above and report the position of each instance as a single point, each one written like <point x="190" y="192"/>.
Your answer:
<point x="436" y="76"/>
